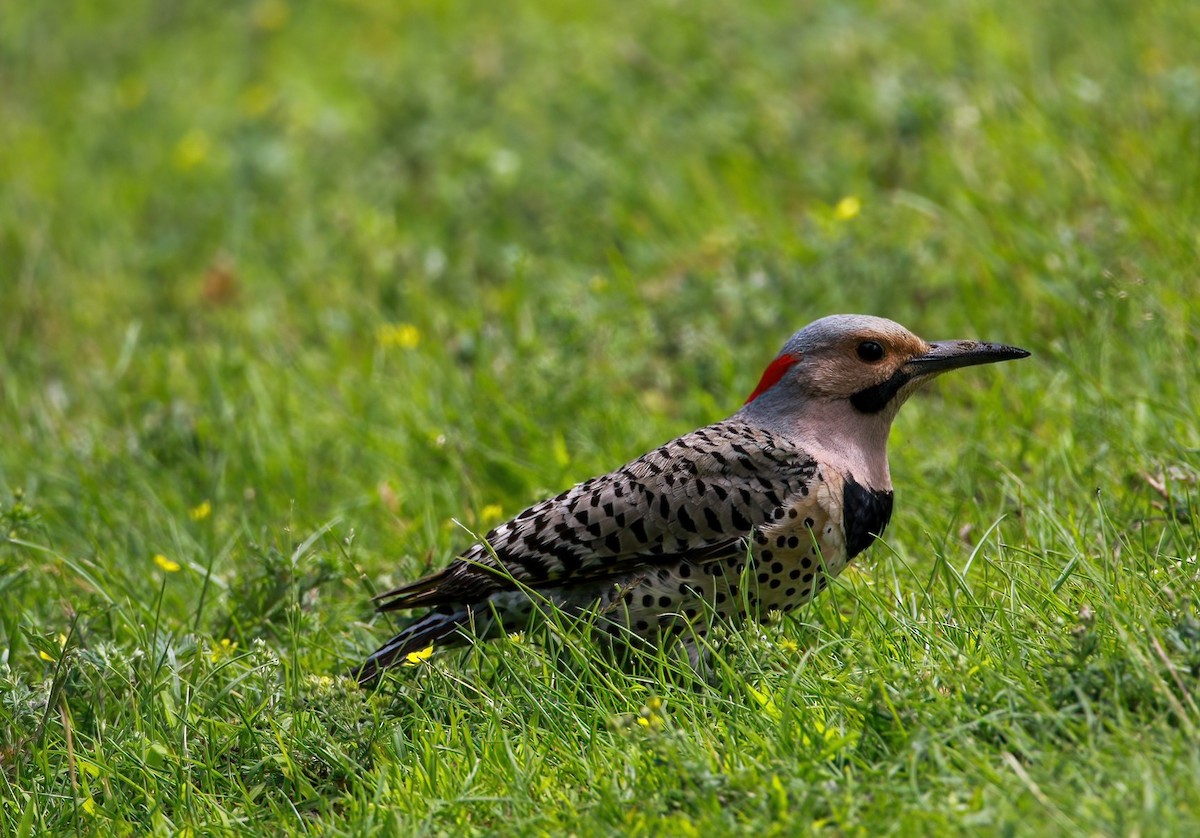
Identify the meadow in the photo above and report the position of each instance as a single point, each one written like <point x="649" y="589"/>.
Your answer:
<point x="294" y="297"/>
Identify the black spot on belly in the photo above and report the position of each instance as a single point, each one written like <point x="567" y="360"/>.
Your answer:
<point x="865" y="513"/>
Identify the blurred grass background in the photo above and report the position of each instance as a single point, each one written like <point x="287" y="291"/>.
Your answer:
<point x="287" y="286"/>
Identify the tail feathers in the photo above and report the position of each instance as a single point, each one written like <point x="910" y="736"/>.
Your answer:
<point x="412" y="594"/>
<point x="468" y="579"/>
<point x="431" y="629"/>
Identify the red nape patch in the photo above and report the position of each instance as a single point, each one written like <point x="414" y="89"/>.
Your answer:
<point x="771" y="375"/>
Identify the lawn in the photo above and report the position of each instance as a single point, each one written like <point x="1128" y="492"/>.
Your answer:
<point x="294" y="297"/>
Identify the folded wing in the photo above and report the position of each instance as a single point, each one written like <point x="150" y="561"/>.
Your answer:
<point x="696" y="497"/>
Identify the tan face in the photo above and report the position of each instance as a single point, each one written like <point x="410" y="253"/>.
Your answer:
<point x="859" y="361"/>
<point x="858" y="365"/>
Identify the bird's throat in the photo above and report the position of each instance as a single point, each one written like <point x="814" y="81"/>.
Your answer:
<point x="874" y="399"/>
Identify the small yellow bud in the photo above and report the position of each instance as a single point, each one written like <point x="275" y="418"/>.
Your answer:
<point x="847" y="208"/>
<point x="192" y="150"/>
<point x="402" y="335"/>
<point x="491" y="514"/>
<point x="223" y="649"/>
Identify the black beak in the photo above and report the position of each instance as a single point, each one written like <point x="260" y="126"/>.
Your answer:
<point x="952" y="354"/>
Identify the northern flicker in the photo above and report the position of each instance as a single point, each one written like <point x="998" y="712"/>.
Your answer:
<point x="751" y="515"/>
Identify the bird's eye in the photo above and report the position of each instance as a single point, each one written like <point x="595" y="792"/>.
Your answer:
<point x="870" y="351"/>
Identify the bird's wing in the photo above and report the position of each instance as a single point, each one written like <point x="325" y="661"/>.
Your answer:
<point x="696" y="497"/>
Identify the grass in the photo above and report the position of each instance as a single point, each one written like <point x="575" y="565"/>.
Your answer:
<point x="289" y="289"/>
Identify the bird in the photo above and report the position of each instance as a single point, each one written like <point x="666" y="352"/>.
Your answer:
<point x="752" y="515"/>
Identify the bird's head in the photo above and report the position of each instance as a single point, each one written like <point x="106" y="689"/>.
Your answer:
<point x="848" y="374"/>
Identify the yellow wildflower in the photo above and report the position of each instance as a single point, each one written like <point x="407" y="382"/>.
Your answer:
<point x="166" y="564"/>
<point x="199" y="513"/>
<point x="847" y="208"/>
<point x="403" y="335"/>
<point x="414" y="658"/>
<point x="192" y="150"/>
<point x="789" y="645"/>
<point x="223" y="649"/>
<point x="650" y="716"/>
<point x="62" y="644"/>
<point x="491" y="514"/>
